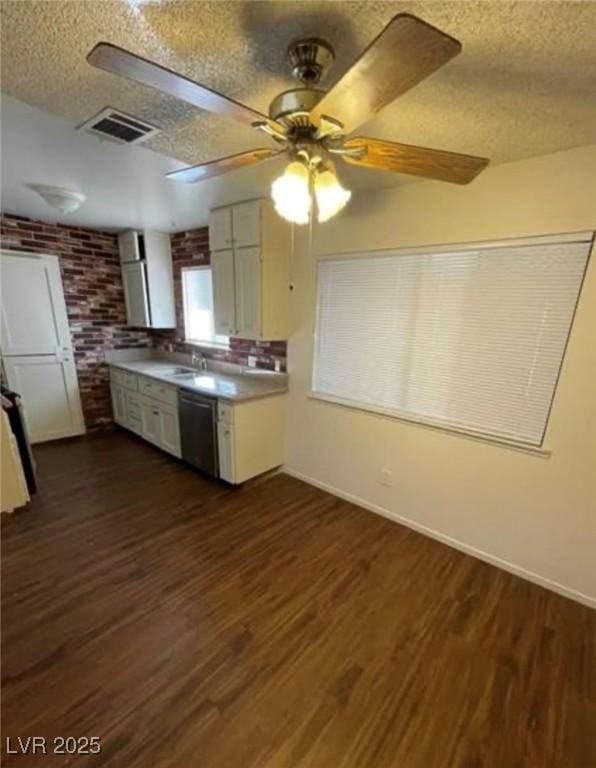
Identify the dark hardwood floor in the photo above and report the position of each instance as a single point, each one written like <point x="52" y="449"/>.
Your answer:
<point x="274" y="626"/>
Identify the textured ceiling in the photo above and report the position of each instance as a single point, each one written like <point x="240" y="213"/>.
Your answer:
<point x="524" y="85"/>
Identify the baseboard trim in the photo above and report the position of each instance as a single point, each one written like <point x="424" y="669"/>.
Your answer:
<point x="505" y="565"/>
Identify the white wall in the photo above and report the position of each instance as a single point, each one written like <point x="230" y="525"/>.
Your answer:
<point x="532" y="514"/>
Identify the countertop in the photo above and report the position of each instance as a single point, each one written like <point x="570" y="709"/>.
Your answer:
<point x="224" y="386"/>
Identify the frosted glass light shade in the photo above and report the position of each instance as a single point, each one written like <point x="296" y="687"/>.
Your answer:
<point x="291" y="194"/>
<point x="331" y="196"/>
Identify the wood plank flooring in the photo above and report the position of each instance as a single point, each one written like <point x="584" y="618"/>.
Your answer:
<point x="274" y="626"/>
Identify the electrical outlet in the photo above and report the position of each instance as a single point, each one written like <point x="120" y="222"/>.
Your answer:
<point x="386" y="477"/>
<point x="252" y="361"/>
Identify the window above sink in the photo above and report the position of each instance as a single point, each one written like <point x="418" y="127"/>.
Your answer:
<point x="197" y="297"/>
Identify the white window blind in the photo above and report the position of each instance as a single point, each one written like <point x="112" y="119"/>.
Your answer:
<point x="469" y="339"/>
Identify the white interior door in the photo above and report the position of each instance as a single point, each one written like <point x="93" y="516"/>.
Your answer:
<point x="36" y="348"/>
<point x="247" y="269"/>
<point x="222" y="273"/>
<point x="49" y="390"/>
<point x="34" y="320"/>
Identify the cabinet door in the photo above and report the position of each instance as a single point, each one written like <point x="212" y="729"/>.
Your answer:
<point x="119" y="404"/>
<point x="160" y="279"/>
<point x="169" y="430"/>
<point x="220" y="229"/>
<point x="128" y="245"/>
<point x="225" y="444"/>
<point x="247" y="268"/>
<point x="246" y="224"/>
<point x="135" y="295"/>
<point x="224" y="311"/>
<point x="150" y="421"/>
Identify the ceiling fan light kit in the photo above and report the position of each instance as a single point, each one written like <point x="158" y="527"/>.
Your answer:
<point x="310" y="125"/>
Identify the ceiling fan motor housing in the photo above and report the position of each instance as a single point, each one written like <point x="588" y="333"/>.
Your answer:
<point x="292" y="108"/>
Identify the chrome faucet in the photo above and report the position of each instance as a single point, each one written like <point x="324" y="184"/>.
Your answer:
<point x="199" y="360"/>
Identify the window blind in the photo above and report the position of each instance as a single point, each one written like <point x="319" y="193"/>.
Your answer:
<point x="471" y="339"/>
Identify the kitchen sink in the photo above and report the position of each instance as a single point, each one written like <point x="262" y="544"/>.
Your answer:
<point x="180" y="372"/>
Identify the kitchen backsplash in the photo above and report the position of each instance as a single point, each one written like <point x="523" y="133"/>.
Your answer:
<point x="190" y="249"/>
<point x="90" y="267"/>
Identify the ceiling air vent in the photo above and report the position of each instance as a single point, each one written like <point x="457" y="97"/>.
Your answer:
<point x="118" y="126"/>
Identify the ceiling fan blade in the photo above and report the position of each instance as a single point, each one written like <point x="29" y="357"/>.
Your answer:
<point x="406" y="51"/>
<point x="419" y="161"/>
<point x="223" y="165"/>
<point x="121" y="62"/>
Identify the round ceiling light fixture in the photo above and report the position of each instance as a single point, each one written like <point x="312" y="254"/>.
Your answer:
<point x="59" y="198"/>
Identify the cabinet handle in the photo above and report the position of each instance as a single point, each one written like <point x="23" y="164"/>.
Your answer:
<point x="156" y="413"/>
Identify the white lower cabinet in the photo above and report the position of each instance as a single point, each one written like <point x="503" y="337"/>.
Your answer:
<point x="169" y="430"/>
<point x="153" y="416"/>
<point x="249" y="433"/>
<point x="159" y="425"/>
<point x="225" y="442"/>
<point x="250" y="437"/>
<point x="119" y="404"/>
<point x="150" y="421"/>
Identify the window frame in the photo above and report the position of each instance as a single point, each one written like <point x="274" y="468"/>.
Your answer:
<point x="587" y="236"/>
<point x="198" y="342"/>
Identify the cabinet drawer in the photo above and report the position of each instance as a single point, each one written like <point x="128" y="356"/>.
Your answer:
<point x="161" y="392"/>
<point x="129" y="380"/>
<point x="225" y="412"/>
<point x="133" y="406"/>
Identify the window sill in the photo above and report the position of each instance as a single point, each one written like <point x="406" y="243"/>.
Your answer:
<point x="208" y="345"/>
<point x="502" y="442"/>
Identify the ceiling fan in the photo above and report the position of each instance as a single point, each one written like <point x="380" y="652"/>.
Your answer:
<point x="312" y="126"/>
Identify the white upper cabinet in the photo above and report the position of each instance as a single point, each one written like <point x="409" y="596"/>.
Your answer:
<point x="220" y="229"/>
<point x="250" y="276"/>
<point x="224" y="300"/>
<point x="160" y="279"/>
<point x="148" y="280"/>
<point x="136" y="297"/>
<point x="128" y="245"/>
<point x="246" y="224"/>
<point x="247" y="267"/>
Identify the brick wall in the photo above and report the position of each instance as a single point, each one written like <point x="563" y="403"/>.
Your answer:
<point x="90" y="268"/>
<point x="190" y="249"/>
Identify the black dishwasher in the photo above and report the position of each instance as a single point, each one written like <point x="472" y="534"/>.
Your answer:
<point x="198" y="431"/>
